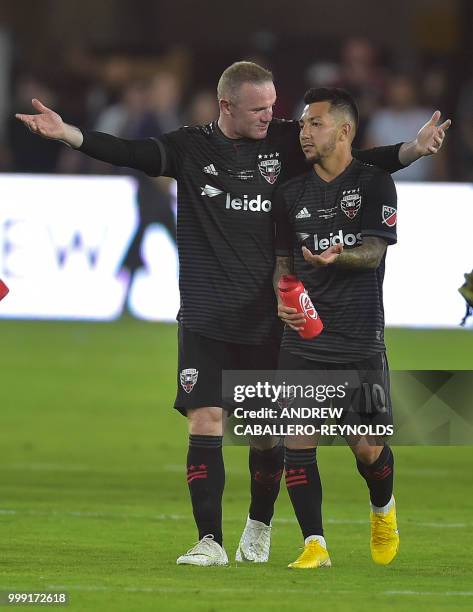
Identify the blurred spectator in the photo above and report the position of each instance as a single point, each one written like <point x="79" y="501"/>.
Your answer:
<point x="435" y="87"/>
<point x="203" y="108"/>
<point x="362" y="75"/>
<point x="29" y="154"/>
<point x="399" y="121"/>
<point x="146" y="110"/>
<point x="164" y="101"/>
<point x="126" y="116"/>
<point x="319" y="74"/>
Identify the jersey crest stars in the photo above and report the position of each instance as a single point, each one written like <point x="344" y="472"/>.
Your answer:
<point x="270" y="167"/>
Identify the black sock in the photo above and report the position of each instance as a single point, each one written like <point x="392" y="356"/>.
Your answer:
<point x="379" y="477"/>
<point x="266" y="468"/>
<point x="206" y="480"/>
<point x="305" y="489"/>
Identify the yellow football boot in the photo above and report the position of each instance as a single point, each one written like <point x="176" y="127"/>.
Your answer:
<point x="314" y="555"/>
<point x="384" y="536"/>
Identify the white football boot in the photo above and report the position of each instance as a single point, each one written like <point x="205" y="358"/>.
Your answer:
<point x="206" y="552"/>
<point x="255" y="542"/>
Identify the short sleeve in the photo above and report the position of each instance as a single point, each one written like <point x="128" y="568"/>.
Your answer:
<point x="283" y="230"/>
<point x="379" y="216"/>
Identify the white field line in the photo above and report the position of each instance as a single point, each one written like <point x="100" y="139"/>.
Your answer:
<point x="442" y="593"/>
<point x="181" y="517"/>
<point x="215" y="589"/>
<point x="156" y="590"/>
<point x="170" y="467"/>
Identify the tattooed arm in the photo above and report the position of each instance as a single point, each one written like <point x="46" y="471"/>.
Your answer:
<point x="289" y="316"/>
<point x="368" y="256"/>
<point x="284" y="265"/>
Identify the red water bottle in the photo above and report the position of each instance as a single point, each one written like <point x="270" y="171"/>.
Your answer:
<point x="294" y="295"/>
<point x="3" y="289"/>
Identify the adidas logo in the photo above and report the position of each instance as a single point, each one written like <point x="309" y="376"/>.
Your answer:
<point x="210" y="191"/>
<point x="303" y="214"/>
<point x="211" y="170"/>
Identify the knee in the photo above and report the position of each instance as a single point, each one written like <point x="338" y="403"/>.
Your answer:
<point x="263" y="443"/>
<point x="205" y="421"/>
<point x="367" y="454"/>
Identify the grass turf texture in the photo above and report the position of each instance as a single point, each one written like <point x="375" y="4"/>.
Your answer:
<point x="94" y="500"/>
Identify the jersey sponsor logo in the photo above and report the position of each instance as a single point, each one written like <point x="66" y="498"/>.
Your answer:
<point x="269" y="167"/>
<point x="351" y="202"/>
<point x="307" y="306"/>
<point x="389" y="216"/>
<point x="210" y="191"/>
<point x="256" y="204"/>
<point x="211" y="170"/>
<point x="303" y="214"/>
<point x="320" y="244"/>
<point x="188" y="379"/>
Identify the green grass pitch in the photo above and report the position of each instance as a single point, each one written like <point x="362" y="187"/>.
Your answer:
<point x="93" y="498"/>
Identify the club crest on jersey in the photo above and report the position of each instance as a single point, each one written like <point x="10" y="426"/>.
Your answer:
<point x="270" y="167"/>
<point x="351" y="202"/>
<point x="188" y="379"/>
<point x="389" y="216"/>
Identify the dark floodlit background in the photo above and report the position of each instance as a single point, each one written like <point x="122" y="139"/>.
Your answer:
<point x="139" y="68"/>
<point x="93" y="498"/>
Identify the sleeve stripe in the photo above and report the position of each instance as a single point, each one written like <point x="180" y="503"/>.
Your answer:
<point x="162" y="152"/>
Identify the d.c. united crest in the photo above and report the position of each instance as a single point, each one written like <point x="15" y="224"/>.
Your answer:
<point x="351" y="202"/>
<point x="188" y="379"/>
<point x="270" y="167"/>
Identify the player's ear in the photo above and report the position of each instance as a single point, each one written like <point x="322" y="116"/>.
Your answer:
<point x="346" y="132"/>
<point x="224" y="106"/>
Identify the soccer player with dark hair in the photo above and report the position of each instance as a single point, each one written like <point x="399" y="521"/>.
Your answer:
<point x="226" y="173"/>
<point x="337" y="248"/>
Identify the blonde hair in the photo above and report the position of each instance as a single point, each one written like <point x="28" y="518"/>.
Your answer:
<point x="238" y="73"/>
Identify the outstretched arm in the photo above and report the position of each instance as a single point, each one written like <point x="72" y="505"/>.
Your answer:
<point x="145" y="154"/>
<point x="392" y="158"/>
<point x="428" y="141"/>
<point x="49" y="124"/>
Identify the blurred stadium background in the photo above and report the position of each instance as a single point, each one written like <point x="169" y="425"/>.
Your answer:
<point x="92" y="488"/>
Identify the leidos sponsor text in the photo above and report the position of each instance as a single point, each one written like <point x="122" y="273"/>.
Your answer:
<point x="320" y="244"/>
<point x="254" y="205"/>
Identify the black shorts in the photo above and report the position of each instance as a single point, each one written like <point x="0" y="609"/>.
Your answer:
<point x="201" y="361"/>
<point x="368" y="399"/>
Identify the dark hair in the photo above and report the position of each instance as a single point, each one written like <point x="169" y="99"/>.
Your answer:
<point x="339" y="99"/>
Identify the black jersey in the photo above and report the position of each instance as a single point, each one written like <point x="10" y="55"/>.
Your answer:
<point x="311" y="212"/>
<point x="225" y="230"/>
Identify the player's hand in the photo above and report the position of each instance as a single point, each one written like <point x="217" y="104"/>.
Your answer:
<point x="430" y="137"/>
<point x="325" y="258"/>
<point x="291" y="317"/>
<point x="47" y="123"/>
